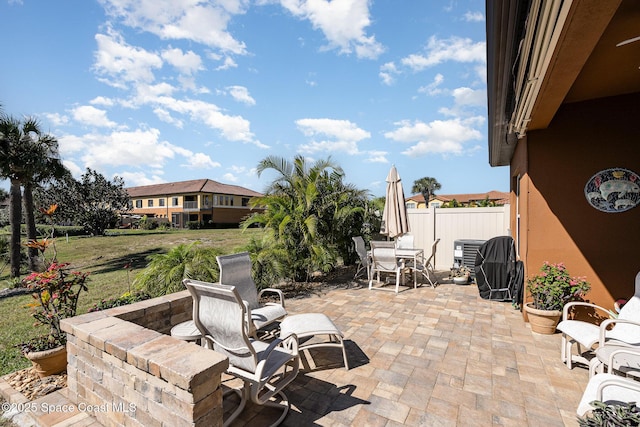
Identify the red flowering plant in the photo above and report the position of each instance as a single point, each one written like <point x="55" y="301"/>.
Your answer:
<point x="55" y="292"/>
<point x="553" y="287"/>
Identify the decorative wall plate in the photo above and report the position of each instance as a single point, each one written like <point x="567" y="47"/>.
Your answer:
<point x="613" y="190"/>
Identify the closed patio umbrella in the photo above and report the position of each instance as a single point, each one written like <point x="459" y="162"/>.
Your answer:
<point x="394" y="216"/>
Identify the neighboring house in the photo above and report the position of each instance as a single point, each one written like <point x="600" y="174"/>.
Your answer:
<point x="203" y="200"/>
<point x="495" y="198"/>
<point x="564" y="114"/>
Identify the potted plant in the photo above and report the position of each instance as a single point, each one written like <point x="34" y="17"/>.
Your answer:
<point x="551" y="289"/>
<point x="55" y="293"/>
<point x="460" y="275"/>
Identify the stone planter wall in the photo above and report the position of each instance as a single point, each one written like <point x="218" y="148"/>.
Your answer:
<point x="125" y="369"/>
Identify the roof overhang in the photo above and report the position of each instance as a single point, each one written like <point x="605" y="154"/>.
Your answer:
<point x="541" y="54"/>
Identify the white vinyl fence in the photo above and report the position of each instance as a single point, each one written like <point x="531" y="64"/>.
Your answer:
<point x="451" y="224"/>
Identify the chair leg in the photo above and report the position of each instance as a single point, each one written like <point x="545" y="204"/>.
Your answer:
<point x="244" y="397"/>
<point x="284" y="404"/>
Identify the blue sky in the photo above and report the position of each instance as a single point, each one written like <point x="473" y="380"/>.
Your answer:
<point x="161" y="90"/>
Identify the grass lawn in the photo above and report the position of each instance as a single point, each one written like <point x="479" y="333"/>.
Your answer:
<point x="105" y="257"/>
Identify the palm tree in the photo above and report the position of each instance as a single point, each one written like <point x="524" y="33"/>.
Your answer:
<point x="165" y="272"/>
<point x="310" y="213"/>
<point x="427" y="186"/>
<point x="26" y="157"/>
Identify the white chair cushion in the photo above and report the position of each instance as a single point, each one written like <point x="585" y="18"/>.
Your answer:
<point x="587" y="334"/>
<point x="266" y="314"/>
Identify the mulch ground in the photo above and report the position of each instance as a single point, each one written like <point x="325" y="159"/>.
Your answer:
<point x="32" y="386"/>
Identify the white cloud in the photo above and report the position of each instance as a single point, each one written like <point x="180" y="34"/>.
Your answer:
<point x="440" y="136"/>
<point x="474" y="16"/>
<point x="441" y="50"/>
<point x="101" y="100"/>
<point x="134" y="179"/>
<point x="229" y="177"/>
<point x="92" y="116"/>
<point x="241" y="94"/>
<point x="349" y="147"/>
<point x="342" y="22"/>
<point x="187" y="63"/>
<point x="118" y="62"/>
<point x="465" y="99"/>
<point x="166" y="117"/>
<point x="194" y="20"/>
<point x="465" y="96"/>
<point x="377" y="157"/>
<point x="233" y="128"/>
<point x="343" y="136"/>
<point x="138" y="148"/>
<point x="57" y="119"/>
<point x="433" y="88"/>
<point x="201" y="161"/>
<point x="227" y="64"/>
<point x="339" y="129"/>
<point x="387" y="73"/>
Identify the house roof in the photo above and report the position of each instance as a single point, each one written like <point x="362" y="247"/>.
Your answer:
<point x="538" y="60"/>
<point x="500" y="197"/>
<point x="193" y="186"/>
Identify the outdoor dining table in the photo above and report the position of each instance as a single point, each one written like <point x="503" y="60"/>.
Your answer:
<point x="407" y="254"/>
<point x="411" y="254"/>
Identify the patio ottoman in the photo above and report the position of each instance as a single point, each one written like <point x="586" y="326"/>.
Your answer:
<point x="308" y="325"/>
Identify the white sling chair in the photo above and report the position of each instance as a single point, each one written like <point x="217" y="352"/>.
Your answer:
<point x="625" y="330"/>
<point x="610" y="388"/>
<point x="427" y="267"/>
<point x="265" y="368"/>
<point x="363" y="262"/>
<point x="235" y="270"/>
<point x="384" y="260"/>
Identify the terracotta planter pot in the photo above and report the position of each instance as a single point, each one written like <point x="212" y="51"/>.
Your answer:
<point x="49" y="362"/>
<point x="543" y="321"/>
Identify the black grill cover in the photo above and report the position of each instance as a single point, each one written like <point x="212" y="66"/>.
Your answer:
<point x="495" y="267"/>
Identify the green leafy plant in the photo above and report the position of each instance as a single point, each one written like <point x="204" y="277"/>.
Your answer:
<point x="553" y="287"/>
<point x="603" y="415"/>
<point x="461" y="271"/>
<point x="124" y="299"/>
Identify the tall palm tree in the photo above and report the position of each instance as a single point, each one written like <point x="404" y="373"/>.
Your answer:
<point x="26" y="156"/>
<point x="427" y="186"/>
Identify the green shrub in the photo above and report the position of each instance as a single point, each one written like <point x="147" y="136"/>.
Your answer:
<point x="124" y="299"/>
<point x="603" y="415"/>
<point x="194" y="225"/>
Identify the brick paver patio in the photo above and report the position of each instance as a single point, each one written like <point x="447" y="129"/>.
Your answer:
<point x="425" y="357"/>
<point x="430" y="357"/>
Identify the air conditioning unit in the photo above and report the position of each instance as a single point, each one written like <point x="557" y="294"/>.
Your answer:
<point x="464" y="253"/>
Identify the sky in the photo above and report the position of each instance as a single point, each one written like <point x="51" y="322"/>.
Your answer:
<point x="161" y="90"/>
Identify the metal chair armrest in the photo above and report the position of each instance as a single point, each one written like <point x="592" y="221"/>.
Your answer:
<point x="274" y="291"/>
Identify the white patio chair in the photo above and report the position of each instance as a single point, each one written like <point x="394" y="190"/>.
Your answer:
<point x="427" y="267"/>
<point x="235" y="270"/>
<point x="264" y="368"/>
<point x="610" y="388"/>
<point x="384" y="260"/>
<point x="623" y="331"/>
<point x="363" y="262"/>
<point x="406" y="241"/>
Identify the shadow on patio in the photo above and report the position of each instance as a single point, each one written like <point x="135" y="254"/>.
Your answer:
<point x="427" y="356"/>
